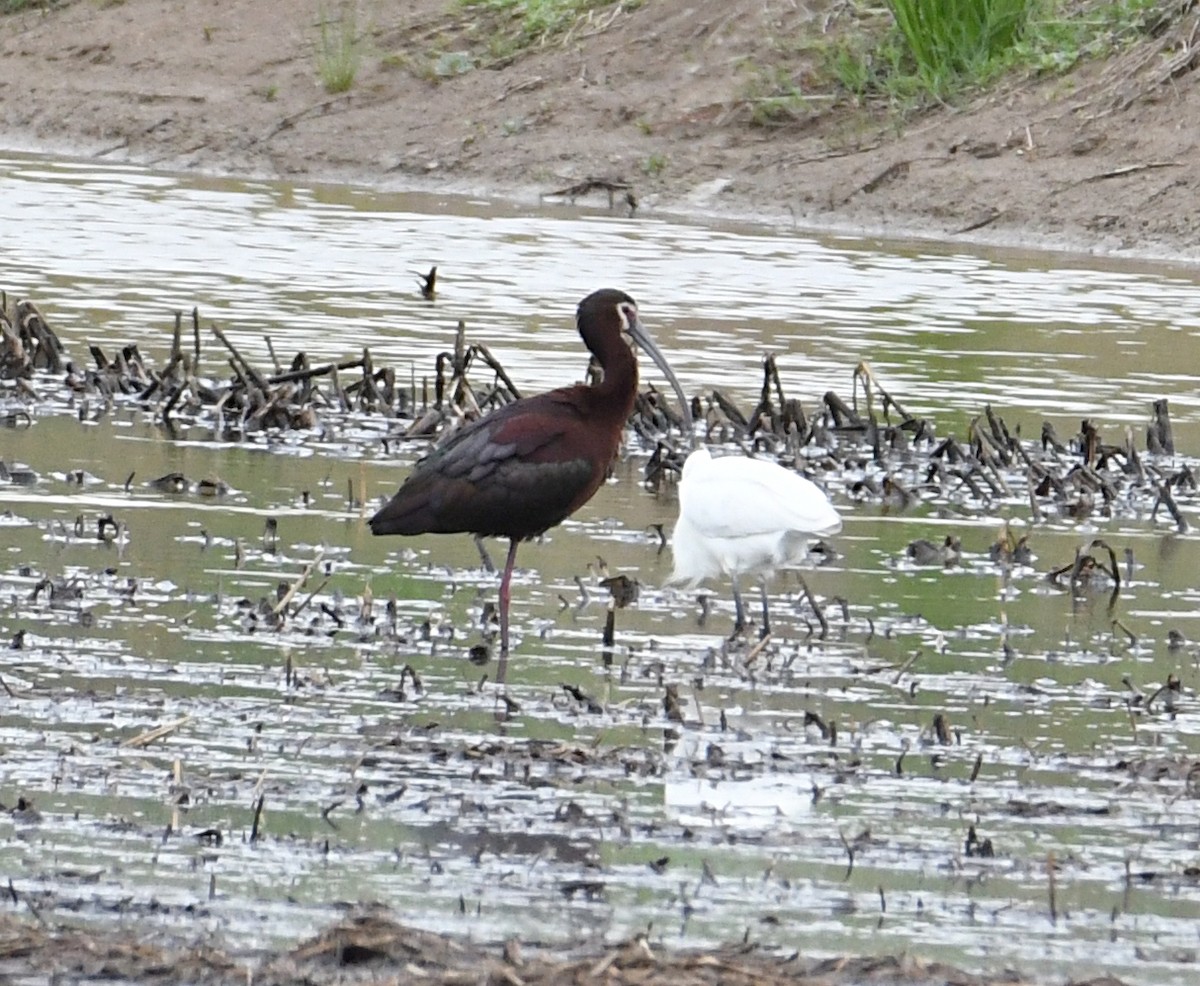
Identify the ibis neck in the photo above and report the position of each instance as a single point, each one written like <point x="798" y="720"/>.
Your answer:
<point x="618" y="390"/>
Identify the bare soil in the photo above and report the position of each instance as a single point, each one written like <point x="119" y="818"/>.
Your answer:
<point x="660" y="97"/>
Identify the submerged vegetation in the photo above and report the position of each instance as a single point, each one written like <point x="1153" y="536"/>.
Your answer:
<point x="211" y="650"/>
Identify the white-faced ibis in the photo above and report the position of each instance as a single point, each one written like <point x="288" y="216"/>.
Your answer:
<point x="529" y="465"/>
<point x="742" y="516"/>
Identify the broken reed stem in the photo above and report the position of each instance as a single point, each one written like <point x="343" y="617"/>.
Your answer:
<point x="1118" y="625"/>
<point x="906" y="666"/>
<point x="1051" y="887"/>
<point x="309" y="598"/>
<point x="258" y="810"/>
<point x="849" y="853"/>
<point x="151" y="735"/>
<point x="317" y="371"/>
<point x="295" y="586"/>
<point x="1132" y="719"/>
<point x="815" y="608"/>
<point x="196" y="337"/>
<point x="274" y="359"/>
<point x="241" y="365"/>
<point x="752" y="656"/>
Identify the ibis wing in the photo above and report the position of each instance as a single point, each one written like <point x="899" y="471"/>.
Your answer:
<point x="510" y="473"/>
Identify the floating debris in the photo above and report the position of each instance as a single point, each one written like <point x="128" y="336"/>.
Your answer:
<point x="27" y="343"/>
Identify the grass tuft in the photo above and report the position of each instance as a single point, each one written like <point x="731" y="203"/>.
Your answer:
<point x="959" y="41"/>
<point x="16" y="6"/>
<point x="339" y="50"/>
<point x="906" y="54"/>
<point x="521" y="24"/>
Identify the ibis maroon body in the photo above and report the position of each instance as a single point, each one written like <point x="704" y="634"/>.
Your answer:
<point x="527" y="466"/>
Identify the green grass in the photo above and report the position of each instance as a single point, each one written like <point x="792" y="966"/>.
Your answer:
<point x="909" y="54"/>
<point x="655" y="165"/>
<point x="339" y="49"/>
<point x="521" y="24"/>
<point x="1060" y="37"/>
<point x="15" y="6"/>
<point x="952" y="42"/>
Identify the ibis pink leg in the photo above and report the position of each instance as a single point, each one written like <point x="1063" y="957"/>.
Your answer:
<point x="505" y="598"/>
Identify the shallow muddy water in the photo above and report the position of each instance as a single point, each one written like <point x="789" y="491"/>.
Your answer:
<point x="573" y="823"/>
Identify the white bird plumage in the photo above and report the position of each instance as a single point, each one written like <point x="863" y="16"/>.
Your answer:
<point x="743" y="516"/>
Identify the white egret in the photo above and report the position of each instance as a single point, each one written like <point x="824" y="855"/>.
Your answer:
<point x="743" y="516"/>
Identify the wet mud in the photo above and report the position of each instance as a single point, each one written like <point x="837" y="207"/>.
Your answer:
<point x="372" y="948"/>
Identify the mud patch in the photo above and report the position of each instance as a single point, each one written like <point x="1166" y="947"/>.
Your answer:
<point x="373" y="948"/>
<point x="1094" y="160"/>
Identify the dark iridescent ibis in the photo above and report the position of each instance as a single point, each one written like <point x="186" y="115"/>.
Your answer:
<point x="529" y="465"/>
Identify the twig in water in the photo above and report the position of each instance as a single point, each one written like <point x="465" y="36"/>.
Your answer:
<point x="258" y="809"/>
<point x="274" y="358"/>
<point x="906" y="666"/>
<point x="1051" y="887"/>
<point x="815" y="608"/>
<point x="241" y="365"/>
<point x="1165" y="498"/>
<point x="150" y="735"/>
<point x="295" y="586"/>
<point x="754" y="651"/>
<point x="309" y="598"/>
<point x="1118" y="625"/>
<point x="196" y="337"/>
<point x="849" y="853"/>
<point x="1132" y="718"/>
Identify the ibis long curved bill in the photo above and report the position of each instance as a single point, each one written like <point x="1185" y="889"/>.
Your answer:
<point x="637" y="332"/>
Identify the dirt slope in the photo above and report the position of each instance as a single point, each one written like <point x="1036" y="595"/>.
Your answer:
<point x="657" y="96"/>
